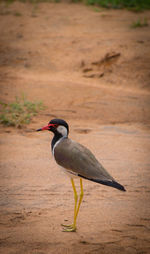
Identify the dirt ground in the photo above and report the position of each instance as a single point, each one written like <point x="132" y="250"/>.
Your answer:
<point x="93" y="70"/>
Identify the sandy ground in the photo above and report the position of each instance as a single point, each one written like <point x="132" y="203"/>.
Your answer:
<point x="91" y="69"/>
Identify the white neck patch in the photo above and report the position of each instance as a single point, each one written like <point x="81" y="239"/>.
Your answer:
<point x="56" y="145"/>
<point x="62" y="130"/>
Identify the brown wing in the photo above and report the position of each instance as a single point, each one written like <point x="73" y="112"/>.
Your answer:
<point x="78" y="159"/>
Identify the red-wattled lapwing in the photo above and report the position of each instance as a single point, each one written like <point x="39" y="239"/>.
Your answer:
<point x="77" y="160"/>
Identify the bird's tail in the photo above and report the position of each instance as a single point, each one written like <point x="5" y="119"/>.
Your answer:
<point x="110" y="183"/>
<point x="113" y="184"/>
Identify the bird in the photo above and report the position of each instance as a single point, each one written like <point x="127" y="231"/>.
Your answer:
<point x="77" y="161"/>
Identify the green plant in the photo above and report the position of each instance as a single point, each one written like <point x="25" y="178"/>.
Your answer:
<point x="19" y="112"/>
<point x="134" y="5"/>
<point x="17" y="14"/>
<point x="139" y="23"/>
<point x="96" y="9"/>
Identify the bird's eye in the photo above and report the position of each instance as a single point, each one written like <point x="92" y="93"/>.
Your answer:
<point x="55" y="125"/>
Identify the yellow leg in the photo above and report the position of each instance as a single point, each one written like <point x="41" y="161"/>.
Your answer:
<point x="75" y="200"/>
<point x="72" y="227"/>
<point x="80" y="200"/>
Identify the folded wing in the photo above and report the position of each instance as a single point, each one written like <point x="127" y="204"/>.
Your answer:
<point x="79" y="160"/>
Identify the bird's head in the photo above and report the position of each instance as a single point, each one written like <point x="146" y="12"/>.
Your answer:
<point x="57" y="126"/>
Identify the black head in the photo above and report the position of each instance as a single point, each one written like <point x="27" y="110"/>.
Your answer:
<point x="57" y="126"/>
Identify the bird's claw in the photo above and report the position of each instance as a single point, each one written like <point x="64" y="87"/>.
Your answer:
<point x="68" y="228"/>
<point x="71" y="229"/>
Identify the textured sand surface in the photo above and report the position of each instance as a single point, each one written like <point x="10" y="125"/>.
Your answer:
<point x="47" y="52"/>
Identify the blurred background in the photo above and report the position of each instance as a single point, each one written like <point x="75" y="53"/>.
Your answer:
<point x="87" y="62"/>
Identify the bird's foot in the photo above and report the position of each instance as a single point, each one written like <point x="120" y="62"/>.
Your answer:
<point x="69" y="228"/>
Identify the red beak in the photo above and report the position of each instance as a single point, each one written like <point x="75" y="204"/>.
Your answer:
<point x="47" y="127"/>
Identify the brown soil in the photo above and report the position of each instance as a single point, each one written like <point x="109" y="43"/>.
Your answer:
<point x="91" y="69"/>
